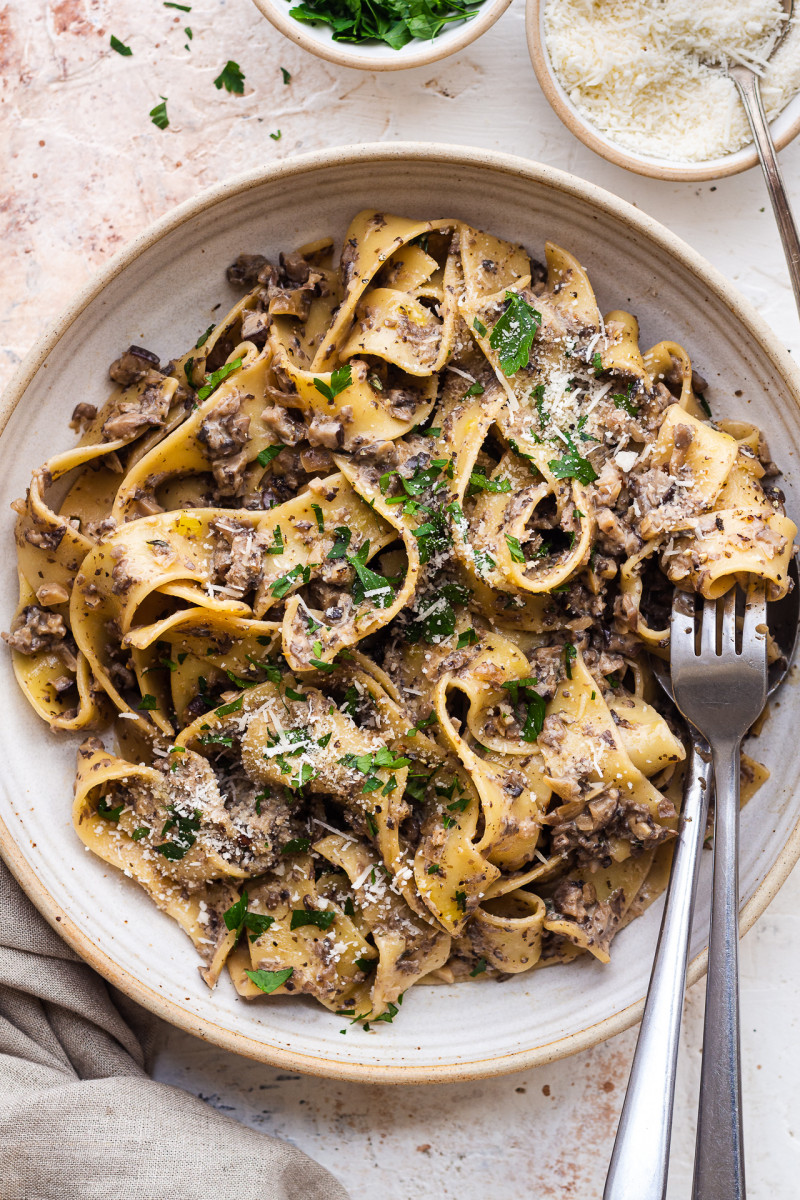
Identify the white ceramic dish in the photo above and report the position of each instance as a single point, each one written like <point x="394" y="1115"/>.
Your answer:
<point x="159" y="292"/>
<point x="377" y="56"/>
<point x="785" y="127"/>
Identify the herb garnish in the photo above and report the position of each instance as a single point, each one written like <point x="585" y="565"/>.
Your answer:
<point x="523" y="691"/>
<point x="120" y="47"/>
<point x="269" y="981"/>
<point x="265" y="456"/>
<point x="626" y="401"/>
<point x="231" y="78"/>
<point x="213" y="380"/>
<point x="478" y="482"/>
<point x="514" y="332"/>
<point x="341" y="378"/>
<point x="185" y="829"/>
<point x="158" y="115"/>
<point x="237" y="919"/>
<point x="572" y="464"/>
<point x="395" y="22"/>
<point x="287" y="78"/>
<point x="312" y="916"/>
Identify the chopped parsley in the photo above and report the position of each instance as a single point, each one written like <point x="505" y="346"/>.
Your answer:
<point x="312" y="916"/>
<point x="706" y="407"/>
<point x="110" y="814"/>
<point x="341" y="378"/>
<point x="467" y="638"/>
<point x="395" y="22"/>
<point x="148" y="703"/>
<point x="340" y="545"/>
<point x="158" y="114"/>
<point x="140" y="832"/>
<point x="513" y="334"/>
<point x="180" y="7"/>
<point x="523" y="692"/>
<point x="516" y="551"/>
<point x="368" y="584"/>
<point x="478" y="482"/>
<point x="276" y="137"/>
<point x="184" y="837"/>
<point x="538" y="395"/>
<point x="270" y="981"/>
<point x="287" y="78"/>
<point x="479" y="968"/>
<point x="476" y="389"/>
<point x="317" y="511"/>
<point x="297" y="845"/>
<point x="597" y="362"/>
<point x="237" y="919"/>
<point x="439" y="620"/>
<point x="266" y="455"/>
<point x="277" y="546"/>
<point x="231" y="78"/>
<point x="570" y="654"/>
<point x="626" y="401"/>
<point x="213" y="380"/>
<point x="284" y="583"/>
<point x="572" y="464"/>
<point x="479" y="327"/>
<point x="431" y="719"/>
<point x="120" y="47"/>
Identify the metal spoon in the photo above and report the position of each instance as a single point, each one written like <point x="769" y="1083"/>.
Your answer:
<point x="640" y="1159"/>
<point x="749" y="87"/>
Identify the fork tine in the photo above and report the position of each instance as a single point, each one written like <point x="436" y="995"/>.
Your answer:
<point x="754" y="626"/>
<point x="728" y="639"/>
<point x="708" y="629"/>
<point x="681" y="644"/>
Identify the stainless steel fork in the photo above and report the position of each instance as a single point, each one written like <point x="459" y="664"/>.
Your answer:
<point x="720" y="684"/>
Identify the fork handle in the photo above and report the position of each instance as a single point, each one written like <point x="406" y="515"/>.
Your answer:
<point x="750" y="91"/>
<point x="639" y="1162"/>
<point x="719" y="1152"/>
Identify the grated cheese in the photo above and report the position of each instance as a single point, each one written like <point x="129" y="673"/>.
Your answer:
<point x="636" y="69"/>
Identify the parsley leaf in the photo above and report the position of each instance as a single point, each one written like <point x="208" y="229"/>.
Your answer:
<point x="468" y="638"/>
<point x="479" y="327"/>
<point x="297" y="845"/>
<point x="479" y="968"/>
<point x="341" y="378"/>
<point x="514" y="332"/>
<point x="323" y="919"/>
<point x="158" y="115"/>
<point x="523" y="692"/>
<point x="626" y="401"/>
<point x="201" y="341"/>
<point x="570" y="654"/>
<point x="110" y="814"/>
<point x="213" y="380"/>
<point x="478" y="482"/>
<point x="148" y="703"/>
<point x="231" y="78"/>
<point x="283" y="584"/>
<point x="120" y="47"/>
<point x="266" y="455"/>
<point x="572" y="464"/>
<point x="269" y="981"/>
<point x="515" y="549"/>
<point x="368" y="584"/>
<point x="339" y="547"/>
<point x="287" y="78"/>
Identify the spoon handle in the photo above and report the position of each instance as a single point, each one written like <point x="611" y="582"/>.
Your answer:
<point x="750" y="91"/>
<point x="640" y="1159"/>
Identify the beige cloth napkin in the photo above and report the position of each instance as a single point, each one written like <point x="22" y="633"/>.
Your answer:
<point x="79" y="1118"/>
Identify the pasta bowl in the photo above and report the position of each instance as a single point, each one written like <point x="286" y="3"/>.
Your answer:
<point x="476" y="1028"/>
<point x="377" y="56"/>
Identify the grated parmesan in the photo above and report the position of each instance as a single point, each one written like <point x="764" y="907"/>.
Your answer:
<point x="636" y="69"/>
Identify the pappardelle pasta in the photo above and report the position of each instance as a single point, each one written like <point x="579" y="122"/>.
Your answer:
<point x="365" y="580"/>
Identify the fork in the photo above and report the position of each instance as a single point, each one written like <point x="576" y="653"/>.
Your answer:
<point x="721" y="689"/>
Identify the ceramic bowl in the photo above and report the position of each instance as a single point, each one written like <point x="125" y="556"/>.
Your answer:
<point x="785" y="127"/>
<point x="158" y="293"/>
<point x="377" y="56"/>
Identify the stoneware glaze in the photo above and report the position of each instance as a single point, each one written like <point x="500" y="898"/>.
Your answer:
<point x="785" y="127"/>
<point x="377" y="56"/>
<point x="160" y="292"/>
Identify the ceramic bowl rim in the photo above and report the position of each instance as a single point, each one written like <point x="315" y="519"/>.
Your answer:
<point x="620" y="156"/>
<point x="341" y="158"/>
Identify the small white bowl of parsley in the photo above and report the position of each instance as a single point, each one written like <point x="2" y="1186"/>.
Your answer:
<point x="382" y="35"/>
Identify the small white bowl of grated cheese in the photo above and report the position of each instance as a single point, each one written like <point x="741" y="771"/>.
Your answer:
<point x="629" y="79"/>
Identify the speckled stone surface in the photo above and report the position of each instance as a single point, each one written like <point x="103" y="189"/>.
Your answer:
<point x="84" y="171"/>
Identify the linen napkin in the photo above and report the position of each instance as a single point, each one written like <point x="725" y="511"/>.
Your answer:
<point x="79" y="1118"/>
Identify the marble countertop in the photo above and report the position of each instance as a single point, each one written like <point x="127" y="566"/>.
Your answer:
<point x="85" y="170"/>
